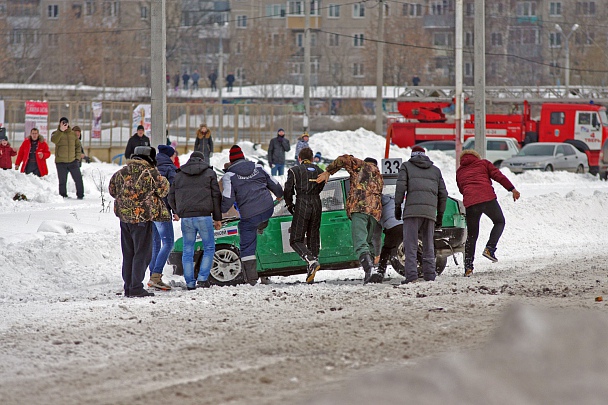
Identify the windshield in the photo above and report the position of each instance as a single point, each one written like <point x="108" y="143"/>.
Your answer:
<point x="603" y="117"/>
<point x="537" y="150"/>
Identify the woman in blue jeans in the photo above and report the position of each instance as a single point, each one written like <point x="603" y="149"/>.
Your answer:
<point x="204" y="227"/>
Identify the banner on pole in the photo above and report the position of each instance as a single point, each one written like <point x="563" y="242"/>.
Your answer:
<point x="96" y="125"/>
<point x="142" y="116"/>
<point x="1" y="113"/>
<point x="36" y="116"/>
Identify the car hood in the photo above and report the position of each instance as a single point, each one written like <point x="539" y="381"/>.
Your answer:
<point x="528" y="159"/>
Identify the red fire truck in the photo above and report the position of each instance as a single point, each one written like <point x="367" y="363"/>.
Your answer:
<point x="585" y="126"/>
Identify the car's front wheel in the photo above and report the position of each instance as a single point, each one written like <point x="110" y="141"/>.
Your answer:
<point x="227" y="267"/>
<point x="580" y="169"/>
<point x="548" y="168"/>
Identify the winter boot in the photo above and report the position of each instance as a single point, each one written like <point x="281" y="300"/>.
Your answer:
<point x="368" y="267"/>
<point x="313" y="267"/>
<point x="157" y="282"/>
<point x="397" y="265"/>
<point x="250" y="272"/>
<point x="488" y="252"/>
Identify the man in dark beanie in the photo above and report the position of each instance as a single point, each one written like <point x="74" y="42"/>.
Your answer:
<point x="138" y="189"/>
<point x="196" y="199"/>
<point x="422" y="185"/>
<point x="250" y="186"/>
<point x="276" y="153"/>
<point x="67" y="158"/>
<point x="138" y="139"/>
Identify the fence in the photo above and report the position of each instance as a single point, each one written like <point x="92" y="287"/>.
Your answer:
<point x="229" y="123"/>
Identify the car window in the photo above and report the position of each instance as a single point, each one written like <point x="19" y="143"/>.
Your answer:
<point x="557" y="118"/>
<point x="469" y="144"/>
<point x="560" y="149"/>
<point x="569" y="150"/>
<point x="445" y="146"/>
<point x="332" y="199"/>
<point x="584" y="118"/>
<point x="537" y="149"/>
<point x="497" y="145"/>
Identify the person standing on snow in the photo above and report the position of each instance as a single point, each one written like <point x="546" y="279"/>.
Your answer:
<point x="302" y="143"/>
<point x="6" y="153"/>
<point x="363" y="206"/>
<point x="163" y="238"/>
<point x="204" y="142"/>
<point x="474" y="179"/>
<point x="250" y="186"/>
<point x="196" y="199"/>
<point x="67" y="158"/>
<point x="138" y="189"/>
<point x="276" y="153"/>
<point x="393" y="236"/>
<point x="422" y="184"/>
<point x="33" y="153"/>
<point x="138" y="139"/>
<point x="306" y="211"/>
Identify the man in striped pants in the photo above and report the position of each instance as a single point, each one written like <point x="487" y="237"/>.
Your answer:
<point x="305" y="228"/>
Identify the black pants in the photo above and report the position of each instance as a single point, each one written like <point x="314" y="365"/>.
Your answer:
<point x="474" y="212"/>
<point x="305" y="236"/>
<point x="62" y="173"/>
<point x="136" y="244"/>
<point x="392" y="238"/>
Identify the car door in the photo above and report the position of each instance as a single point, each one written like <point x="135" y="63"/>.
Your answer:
<point x="571" y="157"/>
<point x="561" y="161"/>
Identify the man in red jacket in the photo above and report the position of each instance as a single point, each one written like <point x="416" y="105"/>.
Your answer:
<point x="33" y="153"/>
<point x="474" y="179"/>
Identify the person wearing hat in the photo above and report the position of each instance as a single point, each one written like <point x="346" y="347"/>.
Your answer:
<point x="83" y="156"/>
<point x="162" y="231"/>
<point x="67" y="158"/>
<point x="302" y="143"/>
<point x="204" y="142"/>
<point x="363" y="206"/>
<point x="6" y="153"/>
<point x="474" y="179"/>
<point x="317" y="161"/>
<point x="276" y="153"/>
<point x="33" y="153"/>
<point x="138" y="139"/>
<point x="422" y="185"/>
<point x="250" y="186"/>
<point x="138" y="189"/>
<point x="195" y="198"/>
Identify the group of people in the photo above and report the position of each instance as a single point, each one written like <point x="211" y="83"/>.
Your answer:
<point x="186" y="79"/>
<point x="279" y="145"/>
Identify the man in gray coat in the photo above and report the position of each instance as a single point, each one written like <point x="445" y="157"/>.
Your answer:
<point x="424" y="206"/>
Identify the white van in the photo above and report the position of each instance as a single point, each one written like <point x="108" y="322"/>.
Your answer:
<point x="497" y="149"/>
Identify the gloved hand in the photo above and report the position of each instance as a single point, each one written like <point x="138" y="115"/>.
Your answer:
<point x="439" y="221"/>
<point x="290" y="208"/>
<point x="398" y="214"/>
<point x="270" y="164"/>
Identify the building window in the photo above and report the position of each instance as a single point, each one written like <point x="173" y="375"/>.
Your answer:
<point x="555" y="8"/>
<point x="241" y="21"/>
<point x="333" y="11"/>
<point x="144" y="70"/>
<point x="469" y="9"/>
<point x="555" y="39"/>
<point x="468" y="39"/>
<point x="296" y="7"/>
<point x="336" y="69"/>
<point x="526" y="8"/>
<point x="275" y="10"/>
<point x="77" y="10"/>
<point x="15" y="37"/>
<point x="496" y="39"/>
<point x="300" y="39"/>
<point x="239" y="48"/>
<point x="412" y="10"/>
<point x="334" y="39"/>
<point x="441" y="7"/>
<point x="315" y="8"/>
<point x="584" y="38"/>
<point x="240" y="74"/>
<point x="89" y="8"/>
<point x="585" y="7"/>
<point x="358" y="10"/>
<point x="143" y="12"/>
<point x="2" y="9"/>
<point x="53" y="40"/>
<point x="443" y="39"/>
<point x="524" y="36"/>
<point x="358" y="40"/>
<point x="358" y="70"/>
<point x="313" y="39"/>
<point x="468" y="69"/>
<point x="110" y="8"/>
<point x="297" y="68"/>
<point x="277" y="40"/>
<point x="53" y="11"/>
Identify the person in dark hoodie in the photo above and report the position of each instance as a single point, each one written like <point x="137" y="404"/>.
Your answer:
<point x="276" y="153"/>
<point x="474" y="179"/>
<point x="162" y="231"/>
<point x="138" y="139"/>
<point x="248" y="184"/>
<point x="195" y="198"/>
<point x="423" y="184"/>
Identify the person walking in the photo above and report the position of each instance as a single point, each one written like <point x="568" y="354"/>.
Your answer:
<point x="6" y="153"/>
<point x="302" y="143"/>
<point x="163" y="238"/>
<point x="474" y="180"/>
<point x="212" y="79"/>
<point x="138" y="139"/>
<point x="250" y="186"/>
<point x="363" y="205"/>
<point x="393" y="237"/>
<point x="204" y="142"/>
<point x="195" y="79"/>
<point x="67" y="158"/>
<point x="138" y="189"/>
<point x="422" y="185"/>
<point x="305" y="236"/>
<point x="196" y="199"/>
<point x="32" y="155"/>
<point x="276" y="153"/>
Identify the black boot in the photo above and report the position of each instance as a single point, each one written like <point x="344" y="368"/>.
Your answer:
<point x="368" y="266"/>
<point x="397" y="265"/>
<point x="250" y="272"/>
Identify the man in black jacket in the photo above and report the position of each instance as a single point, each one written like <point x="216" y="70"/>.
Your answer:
<point x="306" y="211"/>
<point x="276" y="153"/>
<point x="195" y="197"/>
<point x="138" y="139"/>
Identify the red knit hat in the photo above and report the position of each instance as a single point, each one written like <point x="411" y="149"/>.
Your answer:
<point x="418" y="150"/>
<point x="236" y="153"/>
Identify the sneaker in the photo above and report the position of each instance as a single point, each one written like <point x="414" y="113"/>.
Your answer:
<point x="376" y="277"/>
<point x="468" y="272"/>
<point x="203" y="284"/>
<point x="157" y="282"/>
<point x="489" y="253"/>
<point x="144" y="293"/>
<point x="313" y="267"/>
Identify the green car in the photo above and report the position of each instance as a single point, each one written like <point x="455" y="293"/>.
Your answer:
<point x="275" y="257"/>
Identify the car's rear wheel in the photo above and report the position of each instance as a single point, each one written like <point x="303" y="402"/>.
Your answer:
<point x="580" y="169"/>
<point x="548" y="168"/>
<point x="226" y="268"/>
<point x="440" y="261"/>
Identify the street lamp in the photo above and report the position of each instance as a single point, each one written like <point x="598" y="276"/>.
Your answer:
<point x="567" y="50"/>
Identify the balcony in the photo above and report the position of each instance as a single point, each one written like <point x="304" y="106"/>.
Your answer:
<point x="439" y="21"/>
<point x="296" y="22"/>
<point x="525" y="50"/>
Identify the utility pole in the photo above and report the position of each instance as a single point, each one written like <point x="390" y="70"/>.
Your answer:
<point x="220" y="78"/>
<point x="567" y="51"/>
<point x="458" y="79"/>
<point x="380" y="68"/>
<point x="306" y="64"/>
<point x="158" y="62"/>
<point x="480" y="78"/>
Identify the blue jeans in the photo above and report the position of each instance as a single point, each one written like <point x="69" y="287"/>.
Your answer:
<point x="162" y="244"/>
<point x="277" y="170"/>
<point x="204" y="227"/>
<point x="248" y="230"/>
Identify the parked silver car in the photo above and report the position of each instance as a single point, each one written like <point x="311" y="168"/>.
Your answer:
<point x="548" y="156"/>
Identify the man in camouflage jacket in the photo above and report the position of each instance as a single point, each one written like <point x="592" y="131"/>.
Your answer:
<point x="363" y="206"/>
<point x="138" y="189"/>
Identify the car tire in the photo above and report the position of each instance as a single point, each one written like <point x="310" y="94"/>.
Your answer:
<point x="440" y="263"/>
<point x="227" y="268"/>
<point x="548" y="168"/>
<point x="580" y="169"/>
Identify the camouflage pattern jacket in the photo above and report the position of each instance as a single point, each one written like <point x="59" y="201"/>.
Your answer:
<point x="138" y="189"/>
<point x="366" y="182"/>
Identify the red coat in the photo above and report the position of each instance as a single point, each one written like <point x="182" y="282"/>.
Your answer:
<point x="474" y="179"/>
<point x="6" y="152"/>
<point x="24" y="155"/>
